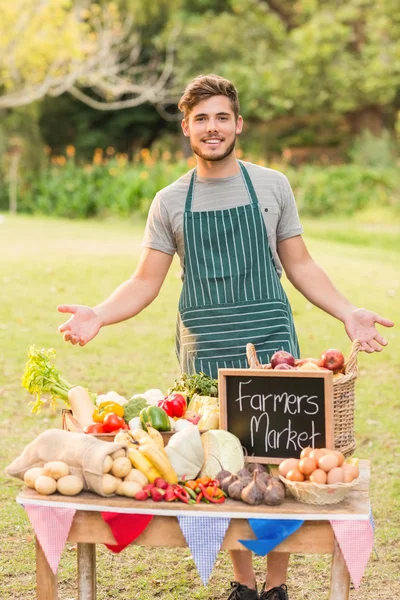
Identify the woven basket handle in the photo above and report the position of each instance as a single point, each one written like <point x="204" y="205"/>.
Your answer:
<point x="252" y="357"/>
<point x="350" y="366"/>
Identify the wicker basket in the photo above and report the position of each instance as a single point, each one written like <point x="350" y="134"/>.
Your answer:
<point x="69" y="423"/>
<point x="318" y="493"/>
<point x="343" y="398"/>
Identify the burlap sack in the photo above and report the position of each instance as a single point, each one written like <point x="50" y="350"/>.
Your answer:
<point x="83" y="453"/>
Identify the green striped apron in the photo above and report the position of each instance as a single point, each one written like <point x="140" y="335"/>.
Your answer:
<point x="231" y="293"/>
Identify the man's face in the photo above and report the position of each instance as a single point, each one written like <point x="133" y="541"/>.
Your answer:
<point x="212" y="128"/>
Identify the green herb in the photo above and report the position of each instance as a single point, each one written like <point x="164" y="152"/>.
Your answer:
<point x="40" y="377"/>
<point x="199" y="383"/>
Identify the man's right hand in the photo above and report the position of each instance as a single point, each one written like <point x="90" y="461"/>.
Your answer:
<point x="82" y="327"/>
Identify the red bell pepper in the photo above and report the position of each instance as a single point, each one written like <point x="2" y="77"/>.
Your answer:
<point x="174" y="405"/>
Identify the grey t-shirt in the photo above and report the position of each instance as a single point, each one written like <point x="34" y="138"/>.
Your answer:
<point x="164" y="227"/>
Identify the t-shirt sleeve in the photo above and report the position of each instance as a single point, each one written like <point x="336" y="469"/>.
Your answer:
<point x="158" y="233"/>
<point x="289" y="223"/>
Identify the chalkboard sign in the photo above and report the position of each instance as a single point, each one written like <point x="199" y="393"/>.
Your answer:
<point x="275" y="414"/>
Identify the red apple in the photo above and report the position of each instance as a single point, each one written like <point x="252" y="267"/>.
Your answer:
<point x="332" y="359"/>
<point x="281" y="357"/>
<point x="284" y="367"/>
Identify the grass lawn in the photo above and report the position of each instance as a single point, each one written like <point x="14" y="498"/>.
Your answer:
<point x="44" y="262"/>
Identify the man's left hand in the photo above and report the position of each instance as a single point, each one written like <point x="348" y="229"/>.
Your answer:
<point x="361" y="325"/>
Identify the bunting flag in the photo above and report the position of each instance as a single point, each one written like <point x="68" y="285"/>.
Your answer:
<point x="204" y="536"/>
<point x="356" y="541"/>
<point x="125" y="527"/>
<point x="270" y="533"/>
<point x="52" y="527"/>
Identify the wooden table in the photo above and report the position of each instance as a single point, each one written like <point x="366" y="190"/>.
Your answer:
<point x="88" y="528"/>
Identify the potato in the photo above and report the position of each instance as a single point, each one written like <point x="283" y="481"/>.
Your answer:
<point x="56" y="469"/>
<point x="109" y="484"/>
<point x="128" y="488"/>
<point x="118" y="454"/>
<point x="138" y="476"/>
<point x="121" y="467"/>
<point x="45" y="485"/>
<point x="31" y="475"/>
<point x="108" y="463"/>
<point x="70" y="485"/>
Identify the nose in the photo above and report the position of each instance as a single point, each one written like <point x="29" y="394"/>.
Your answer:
<point x="211" y="125"/>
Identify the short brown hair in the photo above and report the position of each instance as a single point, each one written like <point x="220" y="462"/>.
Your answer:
<point x="207" y="86"/>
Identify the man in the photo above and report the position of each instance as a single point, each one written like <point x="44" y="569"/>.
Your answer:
<point x="234" y="226"/>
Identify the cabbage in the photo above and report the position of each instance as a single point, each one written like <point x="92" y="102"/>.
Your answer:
<point x="221" y="450"/>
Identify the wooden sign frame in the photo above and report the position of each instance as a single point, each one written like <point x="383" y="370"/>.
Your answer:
<point x="265" y="373"/>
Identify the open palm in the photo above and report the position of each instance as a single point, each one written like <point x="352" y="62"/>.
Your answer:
<point x="82" y="327"/>
<point x="361" y="325"/>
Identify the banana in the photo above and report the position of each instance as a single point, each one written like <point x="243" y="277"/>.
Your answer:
<point x="160" y="461"/>
<point x="141" y="462"/>
<point x="124" y="437"/>
<point x="155" y="436"/>
<point x="141" y="437"/>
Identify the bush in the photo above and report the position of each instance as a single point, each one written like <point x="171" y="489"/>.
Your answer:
<point x="114" y="186"/>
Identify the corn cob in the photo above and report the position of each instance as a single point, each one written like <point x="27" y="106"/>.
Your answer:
<point x="141" y="462"/>
<point x="160" y="461"/>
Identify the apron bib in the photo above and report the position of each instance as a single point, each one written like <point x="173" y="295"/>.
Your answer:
<point x="231" y="294"/>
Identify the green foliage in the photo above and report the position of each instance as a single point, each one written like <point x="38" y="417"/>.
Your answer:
<point x="343" y="189"/>
<point x="118" y="188"/>
<point x="370" y="150"/>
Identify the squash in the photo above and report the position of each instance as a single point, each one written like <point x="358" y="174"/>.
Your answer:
<point x="209" y="419"/>
<point x="222" y="450"/>
<point x="185" y="452"/>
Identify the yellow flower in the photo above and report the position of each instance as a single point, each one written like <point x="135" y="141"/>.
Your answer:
<point x="110" y="151"/>
<point x="145" y="153"/>
<point x="179" y="155"/>
<point x="70" y="150"/>
<point x="61" y="160"/>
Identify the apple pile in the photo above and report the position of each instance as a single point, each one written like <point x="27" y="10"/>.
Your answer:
<point x="331" y="360"/>
<point x="320" y="465"/>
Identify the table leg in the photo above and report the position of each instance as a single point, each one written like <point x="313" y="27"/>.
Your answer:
<point x="340" y="578"/>
<point x="86" y="571"/>
<point x="46" y="581"/>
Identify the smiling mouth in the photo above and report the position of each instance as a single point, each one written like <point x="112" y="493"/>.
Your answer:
<point x="212" y="141"/>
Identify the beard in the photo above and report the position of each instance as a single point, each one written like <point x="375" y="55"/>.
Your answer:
<point x="214" y="157"/>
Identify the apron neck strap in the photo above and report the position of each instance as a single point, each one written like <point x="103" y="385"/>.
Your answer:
<point x="247" y="181"/>
<point x="249" y="185"/>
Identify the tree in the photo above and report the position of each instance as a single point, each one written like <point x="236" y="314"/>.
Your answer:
<point x="300" y="58"/>
<point x="49" y="47"/>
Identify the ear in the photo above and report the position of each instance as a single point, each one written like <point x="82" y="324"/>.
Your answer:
<point x="239" y="124"/>
<point x="185" y="127"/>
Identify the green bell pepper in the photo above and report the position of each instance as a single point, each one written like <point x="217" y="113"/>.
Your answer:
<point x="156" y="417"/>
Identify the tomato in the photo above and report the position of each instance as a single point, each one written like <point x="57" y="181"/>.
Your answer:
<point x="94" y="428"/>
<point x="113" y="422"/>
